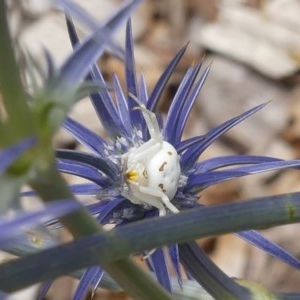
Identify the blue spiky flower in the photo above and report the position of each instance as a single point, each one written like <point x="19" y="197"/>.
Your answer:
<point x="143" y="168"/>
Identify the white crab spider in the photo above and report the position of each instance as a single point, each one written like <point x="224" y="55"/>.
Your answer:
<point x="152" y="170"/>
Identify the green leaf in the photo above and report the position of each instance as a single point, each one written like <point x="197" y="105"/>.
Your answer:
<point x="10" y="188"/>
<point x="14" y="98"/>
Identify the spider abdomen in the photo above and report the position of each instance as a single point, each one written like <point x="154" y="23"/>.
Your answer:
<point x="163" y="170"/>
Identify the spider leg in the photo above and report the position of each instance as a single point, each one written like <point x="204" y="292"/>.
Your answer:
<point x="150" y="119"/>
<point x="147" y="149"/>
<point x="149" y="253"/>
<point x="135" y="197"/>
<point x="139" y="155"/>
<point x="158" y="194"/>
<point x="131" y="197"/>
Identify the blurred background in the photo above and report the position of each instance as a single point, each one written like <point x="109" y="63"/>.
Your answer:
<point x="254" y="50"/>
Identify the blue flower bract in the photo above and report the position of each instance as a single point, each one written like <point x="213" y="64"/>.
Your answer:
<point x="125" y="122"/>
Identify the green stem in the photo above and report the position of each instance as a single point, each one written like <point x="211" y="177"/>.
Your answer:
<point x="120" y="242"/>
<point x="50" y="186"/>
<point x="14" y="97"/>
<point x="189" y="290"/>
